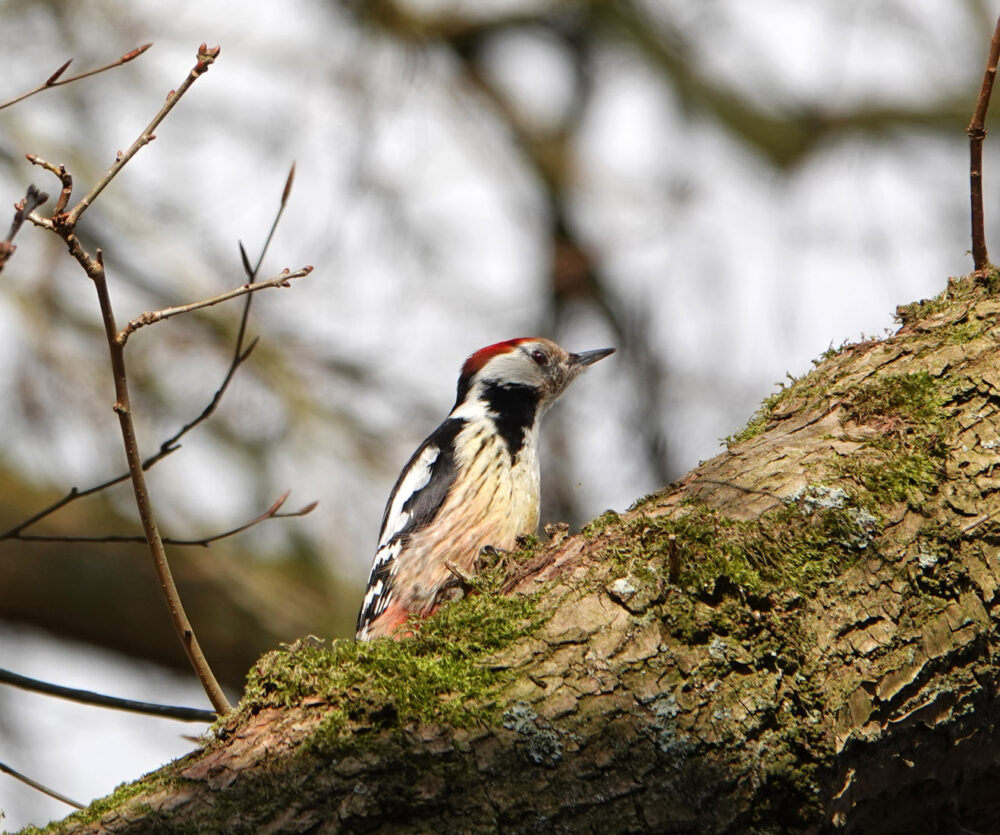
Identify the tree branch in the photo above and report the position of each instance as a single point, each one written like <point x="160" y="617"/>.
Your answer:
<point x="271" y="513"/>
<point x="88" y="697"/>
<point x="64" y="177"/>
<point x="63" y="224"/>
<point x="53" y="80"/>
<point x="31" y="201"/>
<point x="977" y="135"/>
<point x="240" y="355"/>
<point x="123" y="408"/>
<point x="17" y="775"/>
<point x="152" y="317"/>
<point x="206" y="57"/>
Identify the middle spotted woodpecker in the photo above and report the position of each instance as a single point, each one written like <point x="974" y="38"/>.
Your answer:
<point x="473" y="483"/>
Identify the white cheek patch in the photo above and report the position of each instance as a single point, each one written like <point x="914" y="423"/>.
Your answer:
<point x="513" y="368"/>
<point x="417" y="477"/>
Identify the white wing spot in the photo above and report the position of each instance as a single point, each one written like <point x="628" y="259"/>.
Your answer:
<point x="417" y="477"/>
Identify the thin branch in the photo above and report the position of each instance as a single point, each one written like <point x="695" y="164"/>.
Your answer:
<point x="271" y="513"/>
<point x="88" y="697"/>
<point x="674" y="559"/>
<point x="251" y="273"/>
<point x="123" y="408"/>
<point x="54" y="79"/>
<point x="64" y="177"/>
<point x="171" y="444"/>
<point x="64" y="225"/>
<point x="17" y="775"/>
<point x="977" y="135"/>
<point x="152" y="317"/>
<point x="31" y="201"/>
<point x="240" y="355"/>
<point x="167" y="447"/>
<point x="206" y="57"/>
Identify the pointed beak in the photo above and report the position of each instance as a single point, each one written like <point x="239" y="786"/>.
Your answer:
<point x="585" y="358"/>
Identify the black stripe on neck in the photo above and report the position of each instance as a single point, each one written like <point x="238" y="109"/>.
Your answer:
<point x="513" y="409"/>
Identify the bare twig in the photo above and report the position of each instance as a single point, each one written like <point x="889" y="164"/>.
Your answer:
<point x="88" y="697"/>
<point x="674" y="558"/>
<point x="123" y="408"/>
<point x="251" y="273"/>
<point x="64" y="177"/>
<point x="970" y="526"/>
<point x="151" y="317"/>
<point x="54" y="79"/>
<point x="31" y="201"/>
<point x="977" y="134"/>
<point x="17" y="775"/>
<point x="206" y="57"/>
<point x="171" y="444"/>
<point x="271" y="513"/>
<point x="64" y="225"/>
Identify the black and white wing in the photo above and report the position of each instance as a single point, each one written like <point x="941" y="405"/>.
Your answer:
<point x="416" y="498"/>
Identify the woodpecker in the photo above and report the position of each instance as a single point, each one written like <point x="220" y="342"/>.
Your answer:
<point x="473" y="483"/>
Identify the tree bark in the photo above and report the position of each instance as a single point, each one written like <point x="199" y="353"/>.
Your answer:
<point x="796" y="637"/>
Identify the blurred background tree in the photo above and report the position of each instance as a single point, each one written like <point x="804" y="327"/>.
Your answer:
<point x="718" y="189"/>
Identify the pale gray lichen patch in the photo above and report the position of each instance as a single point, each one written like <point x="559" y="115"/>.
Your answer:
<point x="927" y="558"/>
<point x="820" y="497"/>
<point x="622" y="588"/>
<point x="867" y="528"/>
<point x="862" y="526"/>
<point x="668" y="738"/>
<point x="718" y="649"/>
<point x="541" y="742"/>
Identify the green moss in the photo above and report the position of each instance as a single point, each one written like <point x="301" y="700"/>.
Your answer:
<point x="790" y="771"/>
<point x="905" y="477"/>
<point x="126" y="791"/>
<point x="797" y="546"/>
<point x="439" y="674"/>
<point x="906" y="461"/>
<point x="963" y="332"/>
<point x="98" y="808"/>
<point x="915" y="311"/>
<point x="608" y="519"/>
<point x="829" y="353"/>
<point x="990" y="279"/>
<point x="804" y="389"/>
<point x="912" y="398"/>
<point x="963" y="288"/>
<point x="493" y="567"/>
<point x="649" y="498"/>
<point x="760" y="419"/>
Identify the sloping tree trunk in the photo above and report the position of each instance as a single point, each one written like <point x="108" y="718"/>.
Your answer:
<point x="797" y="636"/>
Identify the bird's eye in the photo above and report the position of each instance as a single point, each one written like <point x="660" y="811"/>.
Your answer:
<point x="540" y="357"/>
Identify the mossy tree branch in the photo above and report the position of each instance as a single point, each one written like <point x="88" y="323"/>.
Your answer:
<point x="797" y="636"/>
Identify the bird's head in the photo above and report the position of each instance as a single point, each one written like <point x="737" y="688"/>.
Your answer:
<point x="532" y="364"/>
